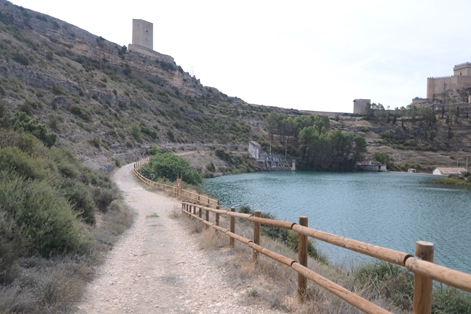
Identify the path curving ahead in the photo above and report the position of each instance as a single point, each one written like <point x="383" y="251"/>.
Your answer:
<point x="156" y="267"/>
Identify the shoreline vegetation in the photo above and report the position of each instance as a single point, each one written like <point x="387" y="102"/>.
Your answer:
<point x="463" y="180"/>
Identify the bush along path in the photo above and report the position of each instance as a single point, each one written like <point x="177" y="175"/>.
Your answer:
<point x="157" y="266"/>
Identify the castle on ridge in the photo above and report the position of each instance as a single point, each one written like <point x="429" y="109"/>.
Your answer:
<point x="143" y="40"/>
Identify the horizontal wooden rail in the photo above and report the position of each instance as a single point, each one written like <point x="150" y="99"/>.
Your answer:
<point x="421" y="268"/>
<point x="388" y="255"/>
<point x="350" y="297"/>
<point x="439" y="273"/>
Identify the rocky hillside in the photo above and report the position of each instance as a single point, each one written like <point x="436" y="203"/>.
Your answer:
<point x="107" y="103"/>
<point x="110" y="105"/>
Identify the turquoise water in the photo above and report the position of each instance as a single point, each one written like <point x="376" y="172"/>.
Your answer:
<point x="393" y="210"/>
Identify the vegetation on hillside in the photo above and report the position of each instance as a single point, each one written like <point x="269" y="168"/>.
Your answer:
<point x="48" y="207"/>
<point x="317" y="147"/>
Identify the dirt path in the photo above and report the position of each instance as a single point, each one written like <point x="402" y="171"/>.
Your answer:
<point x="157" y="267"/>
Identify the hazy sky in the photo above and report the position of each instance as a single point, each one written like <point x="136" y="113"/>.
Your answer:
<point x="309" y="55"/>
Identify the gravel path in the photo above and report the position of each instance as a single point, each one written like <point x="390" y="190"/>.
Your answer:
<point x="157" y="267"/>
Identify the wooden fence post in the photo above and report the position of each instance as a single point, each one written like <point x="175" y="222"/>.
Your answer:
<point x="302" y="257"/>
<point x="217" y="219"/>
<point x="232" y="228"/>
<point x="207" y="217"/>
<point x="199" y="212"/>
<point x="423" y="284"/>
<point x="256" y="234"/>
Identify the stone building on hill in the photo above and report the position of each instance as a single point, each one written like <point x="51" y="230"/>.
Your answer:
<point x="455" y="89"/>
<point x="143" y="40"/>
<point x="359" y="105"/>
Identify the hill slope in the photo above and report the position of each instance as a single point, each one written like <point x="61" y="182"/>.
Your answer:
<point x="109" y="105"/>
<point x="105" y="102"/>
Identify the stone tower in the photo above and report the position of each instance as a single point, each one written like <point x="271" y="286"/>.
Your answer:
<point x="359" y="105"/>
<point x="143" y="34"/>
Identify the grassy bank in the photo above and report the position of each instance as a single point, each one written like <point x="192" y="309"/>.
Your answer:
<point x="57" y="221"/>
<point x="463" y="180"/>
<point x="273" y="284"/>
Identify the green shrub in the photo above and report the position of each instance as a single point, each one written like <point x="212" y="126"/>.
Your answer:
<point x="81" y="112"/>
<point x="210" y="167"/>
<point x="171" y="136"/>
<point x="21" y="121"/>
<point x="136" y="131"/>
<point x="95" y="142"/>
<point x="450" y="300"/>
<point x="388" y="280"/>
<point x="58" y="90"/>
<point x="43" y="215"/>
<point x="80" y="198"/>
<point x="386" y="135"/>
<point x="154" y="149"/>
<point x="12" y="242"/>
<point x="103" y="198"/>
<point x="169" y="166"/>
<point x="148" y="131"/>
<point x="18" y="57"/>
<point x="15" y="160"/>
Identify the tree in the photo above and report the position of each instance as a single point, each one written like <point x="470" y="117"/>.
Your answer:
<point x="368" y="111"/>
<point x="380" y="157"/>
<point x="428" y="116"/>
<point x="169" y="166"/>
<point x="336" y="150"/>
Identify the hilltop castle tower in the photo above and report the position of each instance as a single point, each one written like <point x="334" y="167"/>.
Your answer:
<point x="437" y="87"/>
<point x="143" y="40"/>
<point x="143" y="34"/>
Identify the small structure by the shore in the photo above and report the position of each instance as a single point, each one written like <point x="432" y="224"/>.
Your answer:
<point x="375" y="167"/>
<point x="442" y="171"/>
<point x="255" y="149"/>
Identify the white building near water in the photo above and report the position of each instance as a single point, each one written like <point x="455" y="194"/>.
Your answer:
<point x="441" y="171"/>
<point x="255" y="149"/>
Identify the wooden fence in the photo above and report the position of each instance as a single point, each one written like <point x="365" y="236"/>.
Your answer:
<point x="425" y="271"/>
<point x="174" y="190"/>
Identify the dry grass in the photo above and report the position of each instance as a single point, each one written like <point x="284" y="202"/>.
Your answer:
<point x="274" y="284"/>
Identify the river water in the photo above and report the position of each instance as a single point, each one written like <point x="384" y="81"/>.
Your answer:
<point x="393" y="210"/>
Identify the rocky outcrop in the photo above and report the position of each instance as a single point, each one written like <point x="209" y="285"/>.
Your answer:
<point x="85" y="44"/>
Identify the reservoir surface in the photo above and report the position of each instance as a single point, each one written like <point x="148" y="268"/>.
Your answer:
<point x="393" y="210"/>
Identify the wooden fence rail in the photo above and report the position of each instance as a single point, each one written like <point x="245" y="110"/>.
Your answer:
<point x="177" y="190"/>
<point x="422" y="265"/>
<point x="425" y="271"/>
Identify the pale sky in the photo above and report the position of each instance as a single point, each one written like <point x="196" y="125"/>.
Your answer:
<point x="309" y="55"/>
